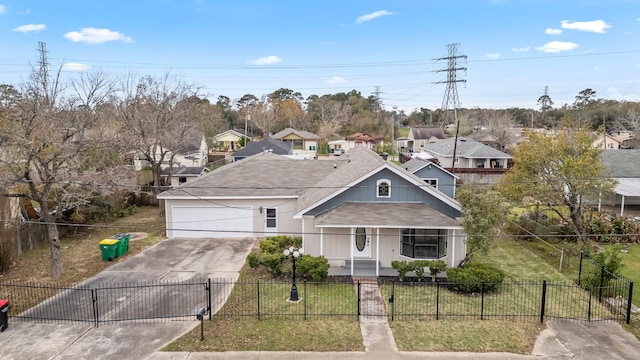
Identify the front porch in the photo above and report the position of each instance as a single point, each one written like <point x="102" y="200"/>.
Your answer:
<point x="361" y="268"/>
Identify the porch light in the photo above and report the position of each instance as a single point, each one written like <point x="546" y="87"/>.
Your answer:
<point x="294" y="253"/>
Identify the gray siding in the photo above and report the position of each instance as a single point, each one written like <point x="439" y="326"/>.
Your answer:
<point x="401" y="191"/>
<point x="446" y="182"/>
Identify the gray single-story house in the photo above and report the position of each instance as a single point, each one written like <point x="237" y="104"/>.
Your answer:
<point x="359" y="211"/>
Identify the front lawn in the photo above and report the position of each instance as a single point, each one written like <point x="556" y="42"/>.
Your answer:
<point x="338" y="333"/>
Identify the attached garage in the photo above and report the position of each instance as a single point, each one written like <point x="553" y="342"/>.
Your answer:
<point x="210" y="222"/>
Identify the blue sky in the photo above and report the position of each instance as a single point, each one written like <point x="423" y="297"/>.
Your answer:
<point x="514" y="48"/>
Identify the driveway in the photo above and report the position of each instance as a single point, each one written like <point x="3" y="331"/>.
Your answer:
<point x="173" y="259"/>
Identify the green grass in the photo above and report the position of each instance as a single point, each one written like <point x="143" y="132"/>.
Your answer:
<point x="476" y="336"/>
<point x="631" y="270"/>
<point x="233" y="334"/>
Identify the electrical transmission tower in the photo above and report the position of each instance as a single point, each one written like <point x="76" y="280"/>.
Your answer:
<point x="376" y="106"/>
<point x="451" y="100"/>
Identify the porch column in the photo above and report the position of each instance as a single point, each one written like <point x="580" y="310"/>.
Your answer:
<point x="303" y="244"/>
<point x="622" y="206"/>
<point x="321" y="241"/>
<point x="351" y="237"/>
<point x="453" y="248"/>
<point x="377" y="252"/>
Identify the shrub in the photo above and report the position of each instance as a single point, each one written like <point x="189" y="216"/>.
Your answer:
<point x="273" y="262"/>
<point x="402" y="267"/>
<point x="475" y="277"/>
<point x="313" y="268"/>
<point x="254" y="260"/>
<point x="611" y="260"/>
<point x="418" y="266"/>
<point x="436" y="267"/>
<point x="277" y="244"/>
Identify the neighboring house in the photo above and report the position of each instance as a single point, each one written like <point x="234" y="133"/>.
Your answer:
<point x="357" y="139"/>
<point x="470" y="154"/>
<point x="432" y="174"/>
<point x="358" y="211"/>
<point x="606" y="142"/>
<point x="304" y="143"/>
<point x="624" y="167"/>
<point x="230" y="140"/>
<point x="272" y="145"/>
<point x="191" y="155"/>
<point x="177" y="176"/>
<point x="421" y="137"/>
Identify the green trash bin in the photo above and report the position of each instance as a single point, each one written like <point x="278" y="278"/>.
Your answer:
<point x="109" y="248"/>
<point x="124" y="239"/>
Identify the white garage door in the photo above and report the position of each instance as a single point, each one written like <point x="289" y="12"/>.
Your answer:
<point x="212" y="221"/>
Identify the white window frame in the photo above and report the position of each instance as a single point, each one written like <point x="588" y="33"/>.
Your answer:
<point x="380" y="182"/>
<point x="430" y="180"/>
<point x="267" y="218"/>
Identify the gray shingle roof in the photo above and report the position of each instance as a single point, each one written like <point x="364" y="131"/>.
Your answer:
<point x="359" y="162"/>
<point x="264" y="174"/>
<point x="467" y="148"/>
<point x="256" y="147"/>
<point x="417" y="215"/>
<point x="426" y="133"/>
<point x="621" y="163"/>
<point x="417" y="163"/>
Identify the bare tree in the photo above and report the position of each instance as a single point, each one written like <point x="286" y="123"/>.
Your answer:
<point x="45" y="132"/>
<point x="156" y="114"/>
<point x="329" y="115"/>
<point x="500" y="125"/>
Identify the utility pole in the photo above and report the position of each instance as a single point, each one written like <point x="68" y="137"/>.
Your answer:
<point x="450" y="100"/>
<point x="393" y="131"/>
<point x="43" y="70"/>
<point x="376" y="106"/>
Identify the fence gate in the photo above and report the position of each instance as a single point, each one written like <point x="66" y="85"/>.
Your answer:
<point x="371" y="304"/>
<point x="107" y="303"/>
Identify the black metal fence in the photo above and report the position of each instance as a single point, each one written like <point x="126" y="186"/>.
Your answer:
<point x="107" y="303"/>
<point x="347" y="298"/>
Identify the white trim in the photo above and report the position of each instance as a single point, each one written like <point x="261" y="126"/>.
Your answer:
<point x="392" y="227"/>
<point x="428" y="181"/>
<point x="302" y="233"/>
<point x="353" y="230"/>
<point x="380" y="182"/>
<point x="321" y="241"/>
<point x="377" y="252"/>
<point x="453" y="249"/>
<point x="204" y="197"/>
<point x="270" y="229"/>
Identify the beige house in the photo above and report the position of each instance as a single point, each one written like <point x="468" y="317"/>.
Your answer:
<point x="304" y="143"/>
<point x="231" y="140"/>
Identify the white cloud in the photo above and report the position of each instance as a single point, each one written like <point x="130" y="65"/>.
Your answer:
<point x="336" y="80"/>
<point x="3" y="9"/>
<point x="493" y="56"/>
<point x="266" y="60"/>
<point x="93" y="35"/>
<point x="27" y="11"/>
<point x="75" y="67"/>
<point x="30" y="27"/>
<point x="614" y="93"/>
<point x="551" y="31"/>
<point x="557" y="46"/>
<point x="373" y="15"/>
<point x="522" y="49"/>
<point x="596" y="26"/>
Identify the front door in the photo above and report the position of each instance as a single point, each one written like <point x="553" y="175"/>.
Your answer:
<point x="362" y="242"/>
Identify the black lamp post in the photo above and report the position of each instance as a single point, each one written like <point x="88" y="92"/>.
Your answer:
<point x="294" y="253"/>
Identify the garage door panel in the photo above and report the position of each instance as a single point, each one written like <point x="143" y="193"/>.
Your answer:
<point x="212" y="221"/>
